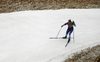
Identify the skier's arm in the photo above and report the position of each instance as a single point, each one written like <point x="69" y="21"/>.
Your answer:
<point x="74" y="24"/>
<point x="64" y="24"/>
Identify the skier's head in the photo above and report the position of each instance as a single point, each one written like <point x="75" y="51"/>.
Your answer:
<point x="69" y="20"/>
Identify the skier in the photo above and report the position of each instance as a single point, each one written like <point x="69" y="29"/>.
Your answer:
<point x="70" y="28"/>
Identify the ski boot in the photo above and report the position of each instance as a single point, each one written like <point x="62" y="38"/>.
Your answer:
<point x="65" y="37"/>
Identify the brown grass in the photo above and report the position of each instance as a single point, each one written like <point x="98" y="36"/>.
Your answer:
<point x="87" y="55"/>
<point x="21" y="5"/>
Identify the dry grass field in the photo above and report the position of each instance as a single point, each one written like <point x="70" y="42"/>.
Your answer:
<point x="86" y="55"/>
<point x="21" y="5"/>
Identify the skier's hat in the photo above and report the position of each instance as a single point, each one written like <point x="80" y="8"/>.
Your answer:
<point x="69" y="20"/>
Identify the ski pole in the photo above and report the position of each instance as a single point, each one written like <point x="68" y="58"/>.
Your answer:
<point x="73" y="31"/>
<point x="73" y="35"/>
<point x="58" y="32"/>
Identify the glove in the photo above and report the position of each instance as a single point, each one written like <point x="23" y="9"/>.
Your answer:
<point x="62" y="26"/>
<point x="73" y="22"/>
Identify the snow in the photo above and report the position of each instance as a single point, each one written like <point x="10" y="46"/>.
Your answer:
<point x="24" y="35"/>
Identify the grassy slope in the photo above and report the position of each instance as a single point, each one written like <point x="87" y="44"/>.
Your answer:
<point x="21" y="5"/>
<point x="86" y="55"/>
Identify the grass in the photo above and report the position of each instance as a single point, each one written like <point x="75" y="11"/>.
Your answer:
<point x="22" y="5"/>
<point x="86" y="55"/>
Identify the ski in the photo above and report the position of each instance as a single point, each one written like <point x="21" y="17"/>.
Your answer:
<point x="57" y="38"/>
<point x="67" y="42"/>
<point x="62" y="38"/>
<point x="66" y="45"/>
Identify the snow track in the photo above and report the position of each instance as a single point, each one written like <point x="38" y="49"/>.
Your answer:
<point x="24" y="36"/>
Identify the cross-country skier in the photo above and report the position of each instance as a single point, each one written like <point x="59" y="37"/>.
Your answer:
<point x="70" y="28"/>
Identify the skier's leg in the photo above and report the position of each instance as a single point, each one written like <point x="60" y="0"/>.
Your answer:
<point x="70" y="33"/>
<point x="67" y="32"/>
